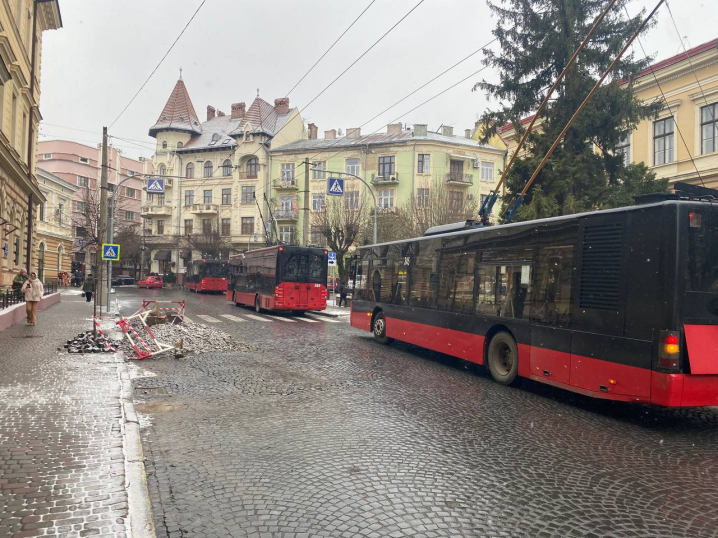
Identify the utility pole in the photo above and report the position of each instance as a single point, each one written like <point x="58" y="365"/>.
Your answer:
<point x="305" y="205"/>
<point x="102" y="288"/>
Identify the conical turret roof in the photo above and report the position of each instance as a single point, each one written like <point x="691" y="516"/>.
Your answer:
<point x="178" y="114"/>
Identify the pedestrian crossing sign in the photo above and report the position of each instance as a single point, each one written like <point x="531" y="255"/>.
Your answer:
<point x="110" y="252"/>
<point x="156" y="185"/>
<point x="335" y="186"/>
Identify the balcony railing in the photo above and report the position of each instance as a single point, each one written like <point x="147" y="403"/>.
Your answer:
<point x="204" y="208"/>
<point x="286" y="214"/>
<point x="285" y="184"/>
<point x="454" y="178"/>
<point x="243" y="174"/>
<point x="381" y="180"/>
<point x="159" y="210"/>
<point x="13" y="297"/>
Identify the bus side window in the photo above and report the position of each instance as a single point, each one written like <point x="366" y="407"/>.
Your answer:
<point x="486" y="298"/>
<point x="456" y="282"/>
<point x="423" y="274"/>
<point x="552" y="288"/>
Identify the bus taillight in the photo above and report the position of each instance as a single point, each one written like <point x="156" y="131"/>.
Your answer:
<point x="669" y="352"/>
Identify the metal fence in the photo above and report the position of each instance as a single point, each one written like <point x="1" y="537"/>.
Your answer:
<point x="12" y="297"/>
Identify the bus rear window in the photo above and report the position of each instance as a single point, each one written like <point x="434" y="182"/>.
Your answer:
<point x="304" y="267"/>
<point x="702" y="252"/>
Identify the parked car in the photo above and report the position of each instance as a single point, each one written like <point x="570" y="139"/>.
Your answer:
<point x="332" y="283"/>
<point x="150" y="282"/>
<point x="123" y="281"/>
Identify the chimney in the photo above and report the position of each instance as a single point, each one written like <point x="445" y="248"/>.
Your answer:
<point x="220" y="114"/>
<point x="238" y="110"/>
<point x="312" y="131"/>
<point x="330" y="135"/>
<point x="281" y="105"/>
<point x="210" y="112"/>
<point x="467" y="133"/>
<point x="393" y="128"/>
<point x="477" y="124"/>
<point x="420" y="129"/>
<point x="447" y="130"/>
<point x="353" y="132"/>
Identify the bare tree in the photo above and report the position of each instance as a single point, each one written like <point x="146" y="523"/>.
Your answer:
<point x="341" y="225"/>
<point x="130" y="242"/>
<point x="209" y="241"/>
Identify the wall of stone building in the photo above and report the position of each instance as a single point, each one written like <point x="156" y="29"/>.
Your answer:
<point x="56" y="251"/>
<point x="13" y="208"/>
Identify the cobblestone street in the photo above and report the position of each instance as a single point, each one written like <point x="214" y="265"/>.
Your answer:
<point x="62" y="467"/>
<point x="322" y="432"/>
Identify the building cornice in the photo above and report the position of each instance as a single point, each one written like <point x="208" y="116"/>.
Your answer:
<point x="676" y="71"/>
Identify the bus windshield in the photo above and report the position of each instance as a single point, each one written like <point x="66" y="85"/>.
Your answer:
<point x="702" y="252"/>
<point x="304" y="266"/>
<point x="217" y="270"/>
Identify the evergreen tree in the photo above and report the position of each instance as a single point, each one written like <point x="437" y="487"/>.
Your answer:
<point x="536" y="40"/>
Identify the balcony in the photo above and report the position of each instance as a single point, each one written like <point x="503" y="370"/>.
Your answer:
<point x="286" y="214"/>
<point x="155" y="211"/>
<point x="204" y="209"/>
<point x="459" y="180"/>
<point x="243" y="174"/>
<point x="285" y="185"/>
<point x="392" y="179"/>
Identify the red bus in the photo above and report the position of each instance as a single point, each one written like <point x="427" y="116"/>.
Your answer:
<point x="206" y="275"/>
<point x="287" y="278"/>
<point x="619" y="304"/>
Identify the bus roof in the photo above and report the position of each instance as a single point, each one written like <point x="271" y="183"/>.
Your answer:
<point x="543" y="221"/>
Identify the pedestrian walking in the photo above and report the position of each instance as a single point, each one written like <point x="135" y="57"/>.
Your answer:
<point x="19" y="281"/>
<point x="65" y="279"/>
<point x="343" y="294"/>
<point x="34" y="291"/>
<point x="88" y="287"/>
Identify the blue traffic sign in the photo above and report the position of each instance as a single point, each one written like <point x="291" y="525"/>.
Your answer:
<point x="156" y="185"/>
<point x="332" y="256"/>
<point x="110" y="252"/>
<point x="5" y="250"/>
<point x="335" y="186"/>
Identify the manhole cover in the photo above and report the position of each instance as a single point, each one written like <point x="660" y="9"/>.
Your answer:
<point x="151" y="391"/>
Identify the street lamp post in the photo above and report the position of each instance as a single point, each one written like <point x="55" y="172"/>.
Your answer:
<point x="373" y="195"/>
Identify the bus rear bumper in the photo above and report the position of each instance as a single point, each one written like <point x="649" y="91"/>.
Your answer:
<point x="684" y="390"/>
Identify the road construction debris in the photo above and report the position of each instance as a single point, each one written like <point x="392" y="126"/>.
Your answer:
<point x="87" y="342"/>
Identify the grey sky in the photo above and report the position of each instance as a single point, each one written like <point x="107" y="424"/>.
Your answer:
<point x="234" y="47"/>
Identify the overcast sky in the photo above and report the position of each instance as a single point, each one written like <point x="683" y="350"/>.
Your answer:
<point x="94" y="65"/>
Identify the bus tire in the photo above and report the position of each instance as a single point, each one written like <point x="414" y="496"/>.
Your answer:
<point x="257" y="305"/>
<point x="502" y="357"/>
<point x="379" y="329"/>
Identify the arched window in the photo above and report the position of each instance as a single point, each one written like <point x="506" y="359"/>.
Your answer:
<point x="164" y="144"/>
<point x="180" y="145"/>
<point x="190" y="171"/>
<point x="41" y="261"/>
<point x="227" y="168"/>
<point x="163" y="170"/>
<point x="252" y="168"/>
<point x="60" y="252"/>
<point x="208" y="169"/>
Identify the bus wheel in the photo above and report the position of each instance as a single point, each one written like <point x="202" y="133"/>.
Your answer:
<point x="257" y="307"/>
<point x="379" y="329"/>
<point x="503" y="359"/>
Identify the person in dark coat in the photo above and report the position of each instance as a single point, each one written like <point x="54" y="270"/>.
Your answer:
<point x="88" y="287"/>
<point x="343" y="291"/>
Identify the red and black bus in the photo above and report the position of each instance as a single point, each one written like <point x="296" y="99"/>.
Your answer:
<point x="619" y="304"/>
<point x="280" y="278"/>
<point x="206" y="275"/>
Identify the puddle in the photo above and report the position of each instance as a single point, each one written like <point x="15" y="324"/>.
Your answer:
<point x="159" y="407"/>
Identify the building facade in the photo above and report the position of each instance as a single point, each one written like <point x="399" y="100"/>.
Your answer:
<point x="80" y="166"/>
<point x="402" y="166"/>
<point x="21" y="25"/>
<point x="216" y="176"/>
<point x="54" y="229"/>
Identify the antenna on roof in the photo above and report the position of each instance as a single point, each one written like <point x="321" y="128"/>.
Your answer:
<point x="257" y="92"/>
<point x="180" y="73"/>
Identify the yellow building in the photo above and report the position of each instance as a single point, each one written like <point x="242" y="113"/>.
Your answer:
<point x="54" y="226"/>
<point x="21" y="25"/>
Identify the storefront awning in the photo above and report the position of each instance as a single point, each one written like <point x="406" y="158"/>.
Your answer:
<point x="163" y="255"/>
<point x="186" y="254"/>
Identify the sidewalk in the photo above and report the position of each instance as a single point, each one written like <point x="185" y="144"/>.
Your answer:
<point x="62" y="464"/>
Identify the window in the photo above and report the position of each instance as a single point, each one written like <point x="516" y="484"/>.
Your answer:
<point x="17" y="251"/>
<point x="227" y="168"/>
<point x="424" y="166"/>
<point x="160" y="199"/>
<point x="487" y="171"/>
<point x="164" y="145"/>
<point x="24" y="126"/>
<point x="60" y="252"/>
<point x="352" y="166"/>
<point x="623" y="148"/>
<point x="180" y="145"/>
<point x="47" y="156"/>
<point x="129" y="215"/>
<point x="248" y="194"/>
<point x="663" y="141"/>
<point x="287" y="171"/>
<point x="84" y="160"/>
<point x="216" y="137"/>
<point x="422" y="197"/>
<point x="286" y="201"/>
<point x="189" y="171"/>
<point x="42" y="210"/>
<point x="456" y="282"/>
<point x="456" y="200"/>
<point x="160" y="227"/>
<point x="552" y="286"/>
<point x="386" y="166"/>
<point x="188" y="226"/>
<point x="163" y="170"/>
<point x="247" y="225"/>
<point x="80" y="231"/>
<point x="130" y="192"/>
<point x="286" y="234"/>
<point x="83" y="181"/>
<point x="61" y="213"/>
<point x="226" y="196"/>
<point x="111" y="187"/>
<point x="208" y="169"/>
<point x="456" y="170"/>
<point x="351" y="199"/>
<point x="318" y="174"/>
<point x="130" y="173"/>
<point x="386" y="198"/>
<point x="252" y="168"/>
<point x="207" y="197"/>
<point x="318" y="202"/>
<point x="709" y="129"/>
<point x="13" y="125"/>
<point x="41" y="260"/>
<point x="206" y="226"/>
<point x="188" y="197"/>
<point x="503" y="290"/>
<point x="226" y="226"/>
<point x="317" y="235"/>
<point x="82" y="207"/>
<point x="150" y="198"/>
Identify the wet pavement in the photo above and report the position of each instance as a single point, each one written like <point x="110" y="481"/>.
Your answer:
<point x="322" y="432"/>
<point x="61" y="456"/>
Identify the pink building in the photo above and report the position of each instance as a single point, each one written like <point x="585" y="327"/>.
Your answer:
<point x="79" y="165"/>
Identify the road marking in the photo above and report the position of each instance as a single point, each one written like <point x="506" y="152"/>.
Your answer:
<point x="282" y="318"/>
<point x="187" y="320"/>
<point x="258" y="318"/>
<point x="232" y="317"/>
<point x="319" y="317"/>
<point x="308" y="320"/>
<point x="209" y="319"/>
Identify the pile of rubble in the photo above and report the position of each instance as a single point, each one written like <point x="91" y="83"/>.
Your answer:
<point x="87" y="342"/>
